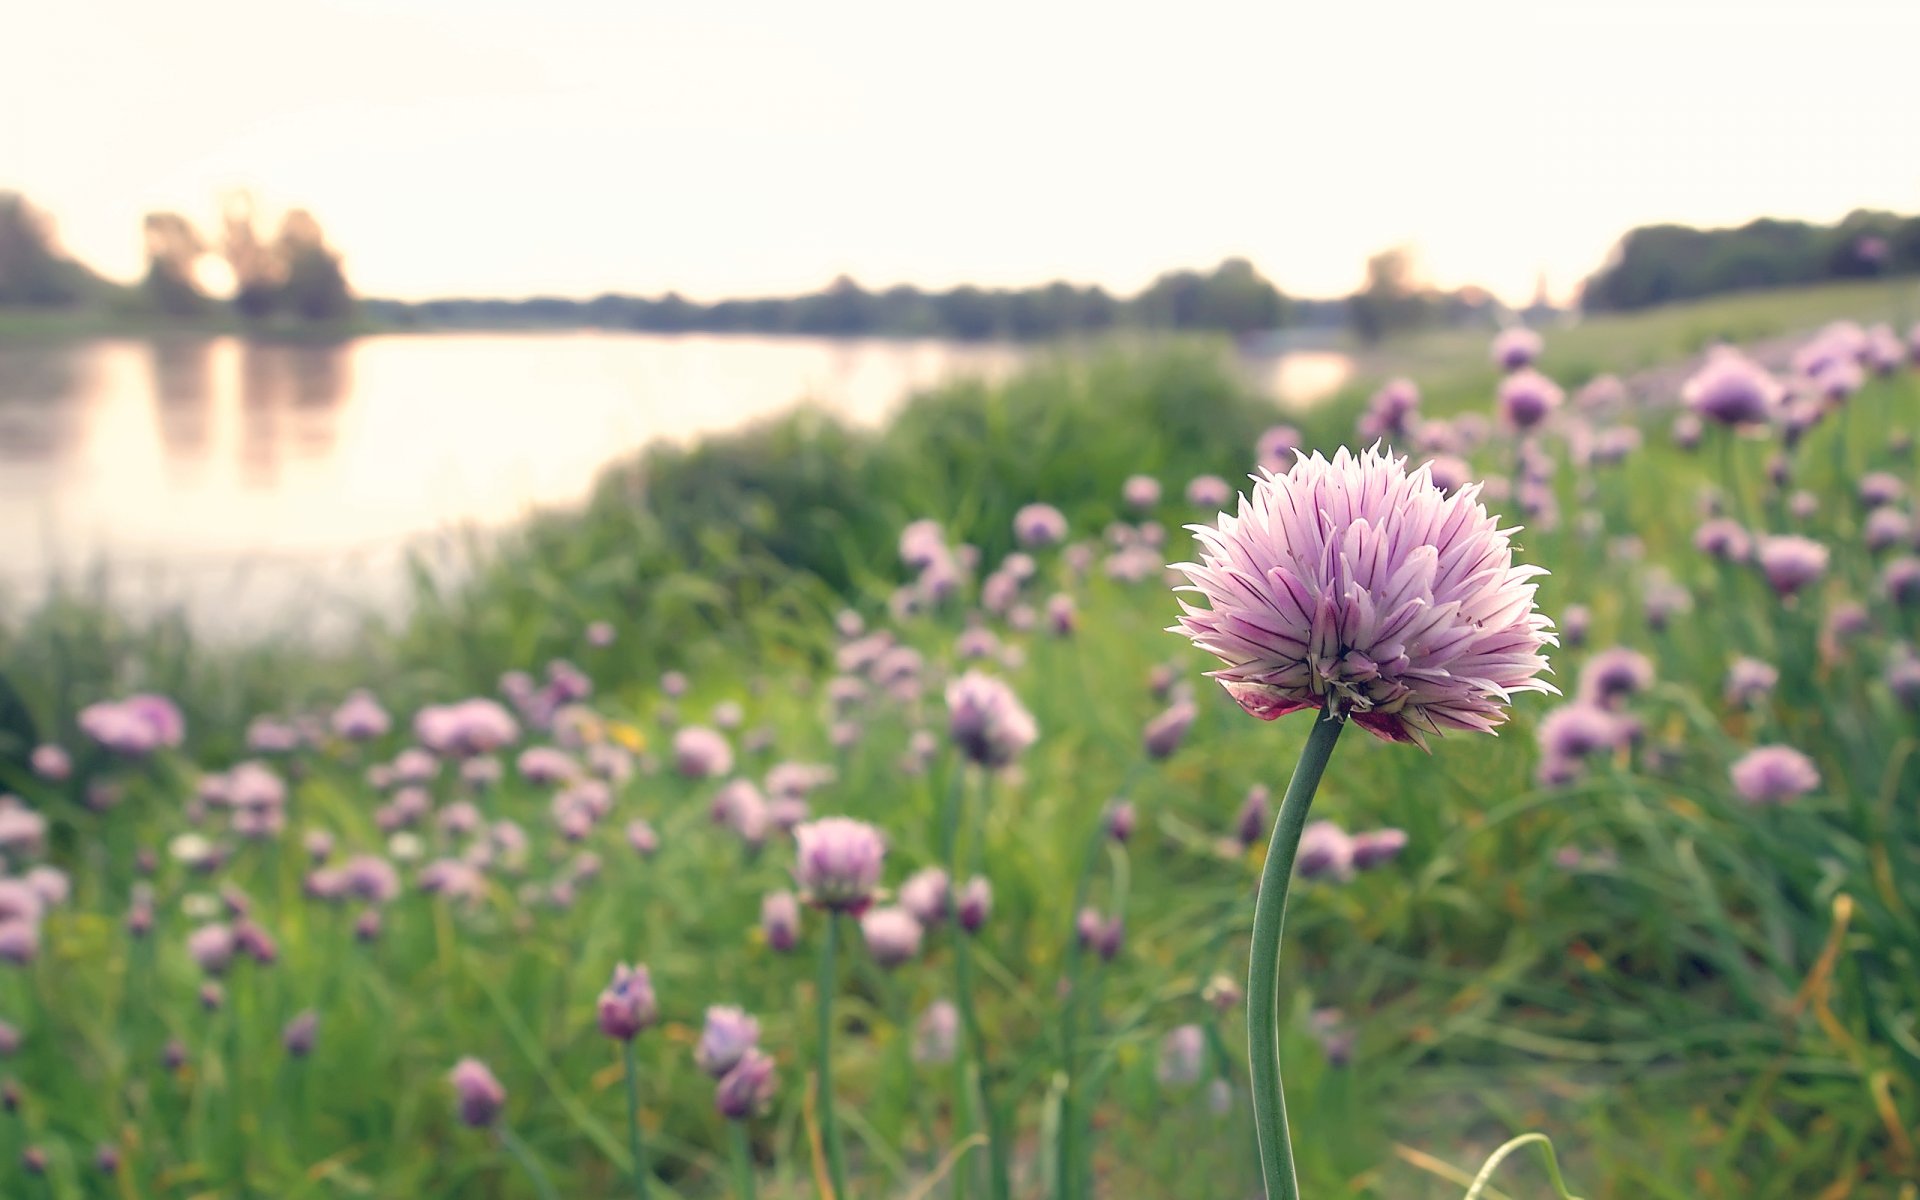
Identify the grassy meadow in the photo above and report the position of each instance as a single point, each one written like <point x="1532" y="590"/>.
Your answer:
<point x="1694" y="995"/>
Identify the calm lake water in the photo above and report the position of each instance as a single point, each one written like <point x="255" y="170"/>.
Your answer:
<point x="264" y="484"/>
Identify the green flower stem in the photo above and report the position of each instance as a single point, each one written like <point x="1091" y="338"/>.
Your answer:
<point x="999" y="1171"/>
<point x="523" y="1156"/>
<point x="1065" y="1162"/>
<point x="962" y="970"/>
<point x="1263" y="976"/>
<point x="829" y="1129"/>
<point x="742" y="1162"/>
<point x="635" y="1145"/>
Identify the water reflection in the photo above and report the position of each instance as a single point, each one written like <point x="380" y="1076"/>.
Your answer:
<point x="38" y="420"/>
<point x="181" y="370"/>
<point x="240" y="479"/>
<point x="289" y="397"/>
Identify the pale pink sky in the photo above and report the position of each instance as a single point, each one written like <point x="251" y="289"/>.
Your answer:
<point x="481" y="147"/>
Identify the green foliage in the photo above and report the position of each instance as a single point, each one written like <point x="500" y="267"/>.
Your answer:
<point x="1658" y="264"/>
<point x="33" y="271"/>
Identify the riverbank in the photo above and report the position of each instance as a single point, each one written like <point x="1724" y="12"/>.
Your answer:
<point x="1612" y="957"/>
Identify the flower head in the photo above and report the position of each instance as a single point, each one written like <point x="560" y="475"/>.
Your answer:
<point x="987" y="721"/>
<point x="1749" y="680"/>
<point x="1356" y="585"/>
<point x="1141" y="491"/>
<point x="1527" y="398"/>
<point x="478" y="1094"/>
<point x="1377" y="847"/>
<point x="1791" y="562"/>
<point x="298" y="1037"/>
<point x="702" y="753"/>
<point x="780" y="920"/>
<point x="725" y="1039"/>
<point x="976" y="904"/>
<point x="1732" y="389"/>
<point x="1723" y="538"/>
<point x="838" y="862"/>
<point x="627" y="1006"/>
<point x="1165" y="732"/>
<point x="1039" y="525"/>
<point x="937" y="1034"/>
<point x="1515" y="347"/>
<point x="892" y="935"/>
<point x="1773" y="774"/>
<point x="747" y="1089"/>
<point x="1182" y="1056"/>
<point x="926" y="894"/>
<point x="1208" y="491"/>
<point x="1614" y="674"/>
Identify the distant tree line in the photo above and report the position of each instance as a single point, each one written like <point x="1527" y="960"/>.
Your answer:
<point x="1233" y="298"/>
<point x="1656" y="264"/>
<point x="33" y="271"/>
<point x="292" y="276"/>
<point x="1394" y="300"/>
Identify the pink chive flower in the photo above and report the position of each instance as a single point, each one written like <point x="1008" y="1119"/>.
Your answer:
<point x="1353" y="584"/>
<point x="701" y="753"/>
<point x="360" y="718"/>
<point x="1886" y="528"/>
<point x="1325" y="852"/>
<point x="1062" y="617"/>
<point x="1878" y="488"/>
<point x="300" y="1033"/>
<point x="479" y="1098"/>
<point x="892" y="935"/>
<point x="780" y="921"/>
<point x="838" y="863"/>
<point x="1615" y="674"/>
<point x="1182" y="1057"/>
<point x="1791" y="562"/>
<point x="1377" y="847"/>
<point x="1732" y="389"/>
<point x="463" y="730"/>
<point x="1515" y="348"/>
<point x="51" y="763"/>
<point x="1450" y="474"/>
<point x="927" y="894"/>
<point x="937" y="1034"/>
<point x="1165" y="732"/>
<point x="747" y="1089"/>
<point x="727" y="1036"/>
<point x="1723" y="538"/>
<point x="975" y="905"/>
<point x="1250" y="823"/>
<point x="541" y="765"/>
<point x="1141" y="492"/>
<point x="1209" y="491"/>
<point x="212" y="947"/>
<point x="1527" y="398"/>
<point x="1750" y="681"/>
<point x="134" y="727"/>
<point x="1900" y="580"/>
<point x="1773" y="775"/>
<point x="1039" y="525"/>
<point x="987" y="721"/>
<point x="1390" y="410"/>
<point x="627" y="1006"/>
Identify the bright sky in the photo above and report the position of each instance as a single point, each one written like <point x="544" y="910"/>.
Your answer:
<point x="490" y="148"/>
